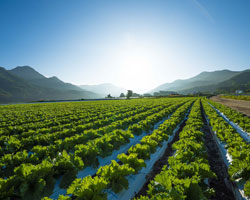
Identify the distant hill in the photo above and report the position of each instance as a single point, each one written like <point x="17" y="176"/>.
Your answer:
<point x="203" y="80"/>
<point x="26" y="72"/>
<point x="238" y="82"/>
<point x="33" y="77"/>
<point x="105" y="89"/>
<point x="25" y="84"/>
<point x="12" y="87"/>
<point x="241" y="81"/>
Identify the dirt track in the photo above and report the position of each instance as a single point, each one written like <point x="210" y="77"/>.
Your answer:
<point x="239" y="105"/>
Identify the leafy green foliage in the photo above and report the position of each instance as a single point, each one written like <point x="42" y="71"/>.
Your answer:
<point x="132" y="160"/>
<point x="88" y="153"/>
<point x="188" y="169"/>
<point x="89" y="188"/>
<point x="240" y="169"/>
<point x="40" y="142"/>
<point x="7" y="187"/>
<point x="33" y="179"/>
<point x="234" y="143"/>
<point x="115" y="175"/>
<point x="148" y="140"/>
<point x="238" y="118"/>
<point x="247" y="189"/>
<point x="143" y="151"/>
<point x="136" y="129"/>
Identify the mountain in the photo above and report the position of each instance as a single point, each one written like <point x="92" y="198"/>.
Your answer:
<point x="24" y="84"/>
<point x="12" y="87"/>
<point x="241" y="81"/>
<point x="203" y="79"/>
<point x="26" y="72"/>
<point x="238" y="82"/>
<point x="105" y="89"/>
<point x="33" y="77"/>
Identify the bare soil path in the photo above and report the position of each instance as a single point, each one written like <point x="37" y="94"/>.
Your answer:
<point x="239" y="105"/>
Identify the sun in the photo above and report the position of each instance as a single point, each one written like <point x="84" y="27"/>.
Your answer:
<point x="135" y="62"/>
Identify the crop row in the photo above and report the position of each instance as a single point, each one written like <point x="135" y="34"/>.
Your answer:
<point x="238" y="118"/>
<point x="236" y="149"/>
<point x="187" y="173"/>
<point x="238" y="97"/>
<point x="42" y="137"/>
<point x="36" y="179"/>
<point x="70" y="143"/>
<point x="14" y="115"/>
<point x="113" y="177"/>
<point x="13" y="144"/>
<point x="79" y="117"/>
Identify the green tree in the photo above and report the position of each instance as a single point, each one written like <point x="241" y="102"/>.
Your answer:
<point x="129" y="94"/>
<point x="122" y="95"/>
<point x="109" y="96"/>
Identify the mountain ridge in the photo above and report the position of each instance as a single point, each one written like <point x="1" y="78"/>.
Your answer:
<point x="241" y="81"/>
<point x="23" y="84"/>
<point x="33" y="77"/>
<point x="26" y="72"/>
<point x="202" y="79"/>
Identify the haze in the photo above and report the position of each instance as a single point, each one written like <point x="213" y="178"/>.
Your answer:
<point x="134" y="44"/>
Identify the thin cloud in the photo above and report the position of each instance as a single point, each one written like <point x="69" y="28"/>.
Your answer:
<point x="203" y="11"/>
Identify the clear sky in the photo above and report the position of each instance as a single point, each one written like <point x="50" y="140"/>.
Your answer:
<point x="131" y="43"/>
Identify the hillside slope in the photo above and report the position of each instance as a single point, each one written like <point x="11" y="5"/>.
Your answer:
<point x="241" y="81"/>
<point x="29" y="74"/>
<point x="238" y="82"/>
<point x="26" y="72"/>
<point x="13" y="88"/>
<point x="202" y="79"/>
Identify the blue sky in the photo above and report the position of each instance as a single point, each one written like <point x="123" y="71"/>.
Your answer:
<point x="137" y="44"/>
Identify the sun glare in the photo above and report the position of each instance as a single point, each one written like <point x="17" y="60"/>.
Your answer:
<point x="135" y="61"/>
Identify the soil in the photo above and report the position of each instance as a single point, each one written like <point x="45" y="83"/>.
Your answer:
<point x="221" y="184"/>
<point x="156" y="169"/>
<point x="239" y="105"/>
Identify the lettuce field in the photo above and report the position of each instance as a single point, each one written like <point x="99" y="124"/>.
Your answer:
<point x="164" y="148"/>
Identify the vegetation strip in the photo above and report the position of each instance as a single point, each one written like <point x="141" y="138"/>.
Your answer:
<point x="221" y="183"/>
<point x="110" y="155"/>
<point x="40" y="178"/>
<point x="234" y="149"/>
<point x="188" y="171"/>
<point x="115" y="179"/>
<point x="240" y="120"/>
<point x="30" y="139"/>
<point x="136" y="180"/>
<point x="52" y="151"/>
<point x="162" y="161"/>
<point x="238" y="97"/>
<point x="91" y="170"/>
